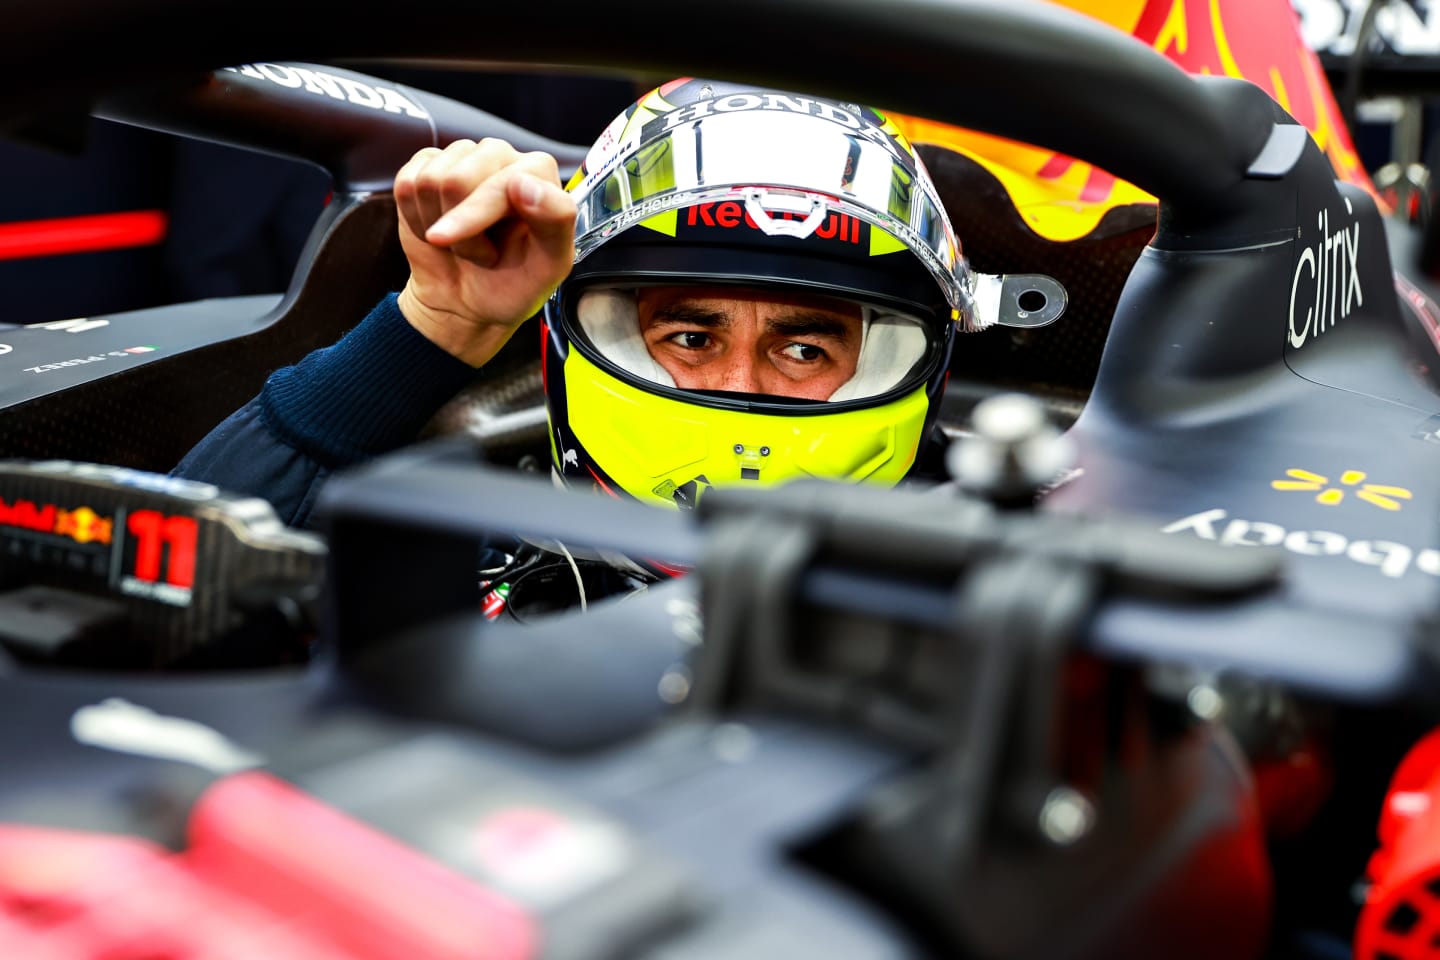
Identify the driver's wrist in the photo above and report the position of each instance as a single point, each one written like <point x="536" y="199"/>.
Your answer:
<point x="470" y="341"/>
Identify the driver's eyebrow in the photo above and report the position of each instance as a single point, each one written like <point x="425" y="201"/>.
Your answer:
<point x="685" y="314"/>
<point x="808" y="324"/>
<point x="793" y="324"/>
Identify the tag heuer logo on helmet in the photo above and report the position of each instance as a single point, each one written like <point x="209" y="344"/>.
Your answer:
<point x="647" y="208"/>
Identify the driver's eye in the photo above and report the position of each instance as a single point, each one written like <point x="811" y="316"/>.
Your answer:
<point x="692" y="339"/>
<point x="806" y="352"/>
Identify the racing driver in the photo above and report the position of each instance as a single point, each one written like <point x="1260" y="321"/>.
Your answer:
<point x="739" y="285"/>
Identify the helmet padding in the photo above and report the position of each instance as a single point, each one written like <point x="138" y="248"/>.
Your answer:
<point x="611" y="320"/>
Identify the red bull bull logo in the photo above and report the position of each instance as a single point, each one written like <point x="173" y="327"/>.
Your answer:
<point x="83" y="526"/>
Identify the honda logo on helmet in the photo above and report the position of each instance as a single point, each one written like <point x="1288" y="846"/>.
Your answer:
<point x="740" y="102"/>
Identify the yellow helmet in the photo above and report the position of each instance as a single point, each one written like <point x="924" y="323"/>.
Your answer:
<point x="727" y="186"/>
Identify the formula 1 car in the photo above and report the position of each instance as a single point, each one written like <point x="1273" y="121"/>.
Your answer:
<point x="1155" y="678"/>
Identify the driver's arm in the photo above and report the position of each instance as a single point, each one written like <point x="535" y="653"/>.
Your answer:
<point x="489" y="234"/>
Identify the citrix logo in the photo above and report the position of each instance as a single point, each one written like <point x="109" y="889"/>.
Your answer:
<point x="1331" y="269"/>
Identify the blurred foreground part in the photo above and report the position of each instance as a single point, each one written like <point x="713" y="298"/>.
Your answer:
<point x="1401" y="915"/>
<point x="929" y="622"/>
<point x="108" y="568"/>
<point x="901" y="738"/>
<point x="268" y="872"/>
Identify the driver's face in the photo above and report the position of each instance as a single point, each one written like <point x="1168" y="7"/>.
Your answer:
<point x="751" y="341"/>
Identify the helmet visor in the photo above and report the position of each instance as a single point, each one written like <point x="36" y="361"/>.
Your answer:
<point x="773" y="165"/>
<point x="847" y="352"/>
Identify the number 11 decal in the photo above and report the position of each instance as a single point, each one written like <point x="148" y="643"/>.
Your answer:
<point x="153" y="532"/>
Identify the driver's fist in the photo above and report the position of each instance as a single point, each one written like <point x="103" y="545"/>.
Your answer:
<point x="489" y="233"/>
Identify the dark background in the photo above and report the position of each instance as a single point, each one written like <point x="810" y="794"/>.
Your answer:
<point x="237" y="219"/>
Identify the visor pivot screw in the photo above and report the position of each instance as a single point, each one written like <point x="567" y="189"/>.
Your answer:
<point x="739" y="448"/>
<point x="1066" y="816"/>
<point x="1205" y="702"/>
<point x="1012" y="452"/>
<point x="764" y="451"/>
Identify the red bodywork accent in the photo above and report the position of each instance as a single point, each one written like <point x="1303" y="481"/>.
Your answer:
<point x="1291" y="789"/>
<point x="270" y="872"/>
<point x="1401" y="916"/>
<point x="669" y="569"/>
<point x="89" y="234"/>
<point x="1424" y="308"/>
<point x="1098" y="183"/>
<point x="603" y="485"/>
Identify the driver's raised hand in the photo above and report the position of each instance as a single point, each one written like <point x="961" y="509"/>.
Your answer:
<point x="489" y="233"/>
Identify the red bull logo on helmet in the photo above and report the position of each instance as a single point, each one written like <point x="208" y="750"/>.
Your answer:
<point x="731" y="214"/>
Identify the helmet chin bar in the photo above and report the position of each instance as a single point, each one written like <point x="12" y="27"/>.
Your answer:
<point x="1017" y="300"/>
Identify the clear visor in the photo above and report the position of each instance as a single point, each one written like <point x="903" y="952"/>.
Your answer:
<point x="868" y="355"/>
<point x="790" y="170"/>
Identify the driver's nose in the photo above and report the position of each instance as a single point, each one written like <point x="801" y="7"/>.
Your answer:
<point x="738" y="371"/>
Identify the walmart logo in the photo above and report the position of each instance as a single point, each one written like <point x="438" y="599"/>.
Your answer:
<point x="1330" y="494"/>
